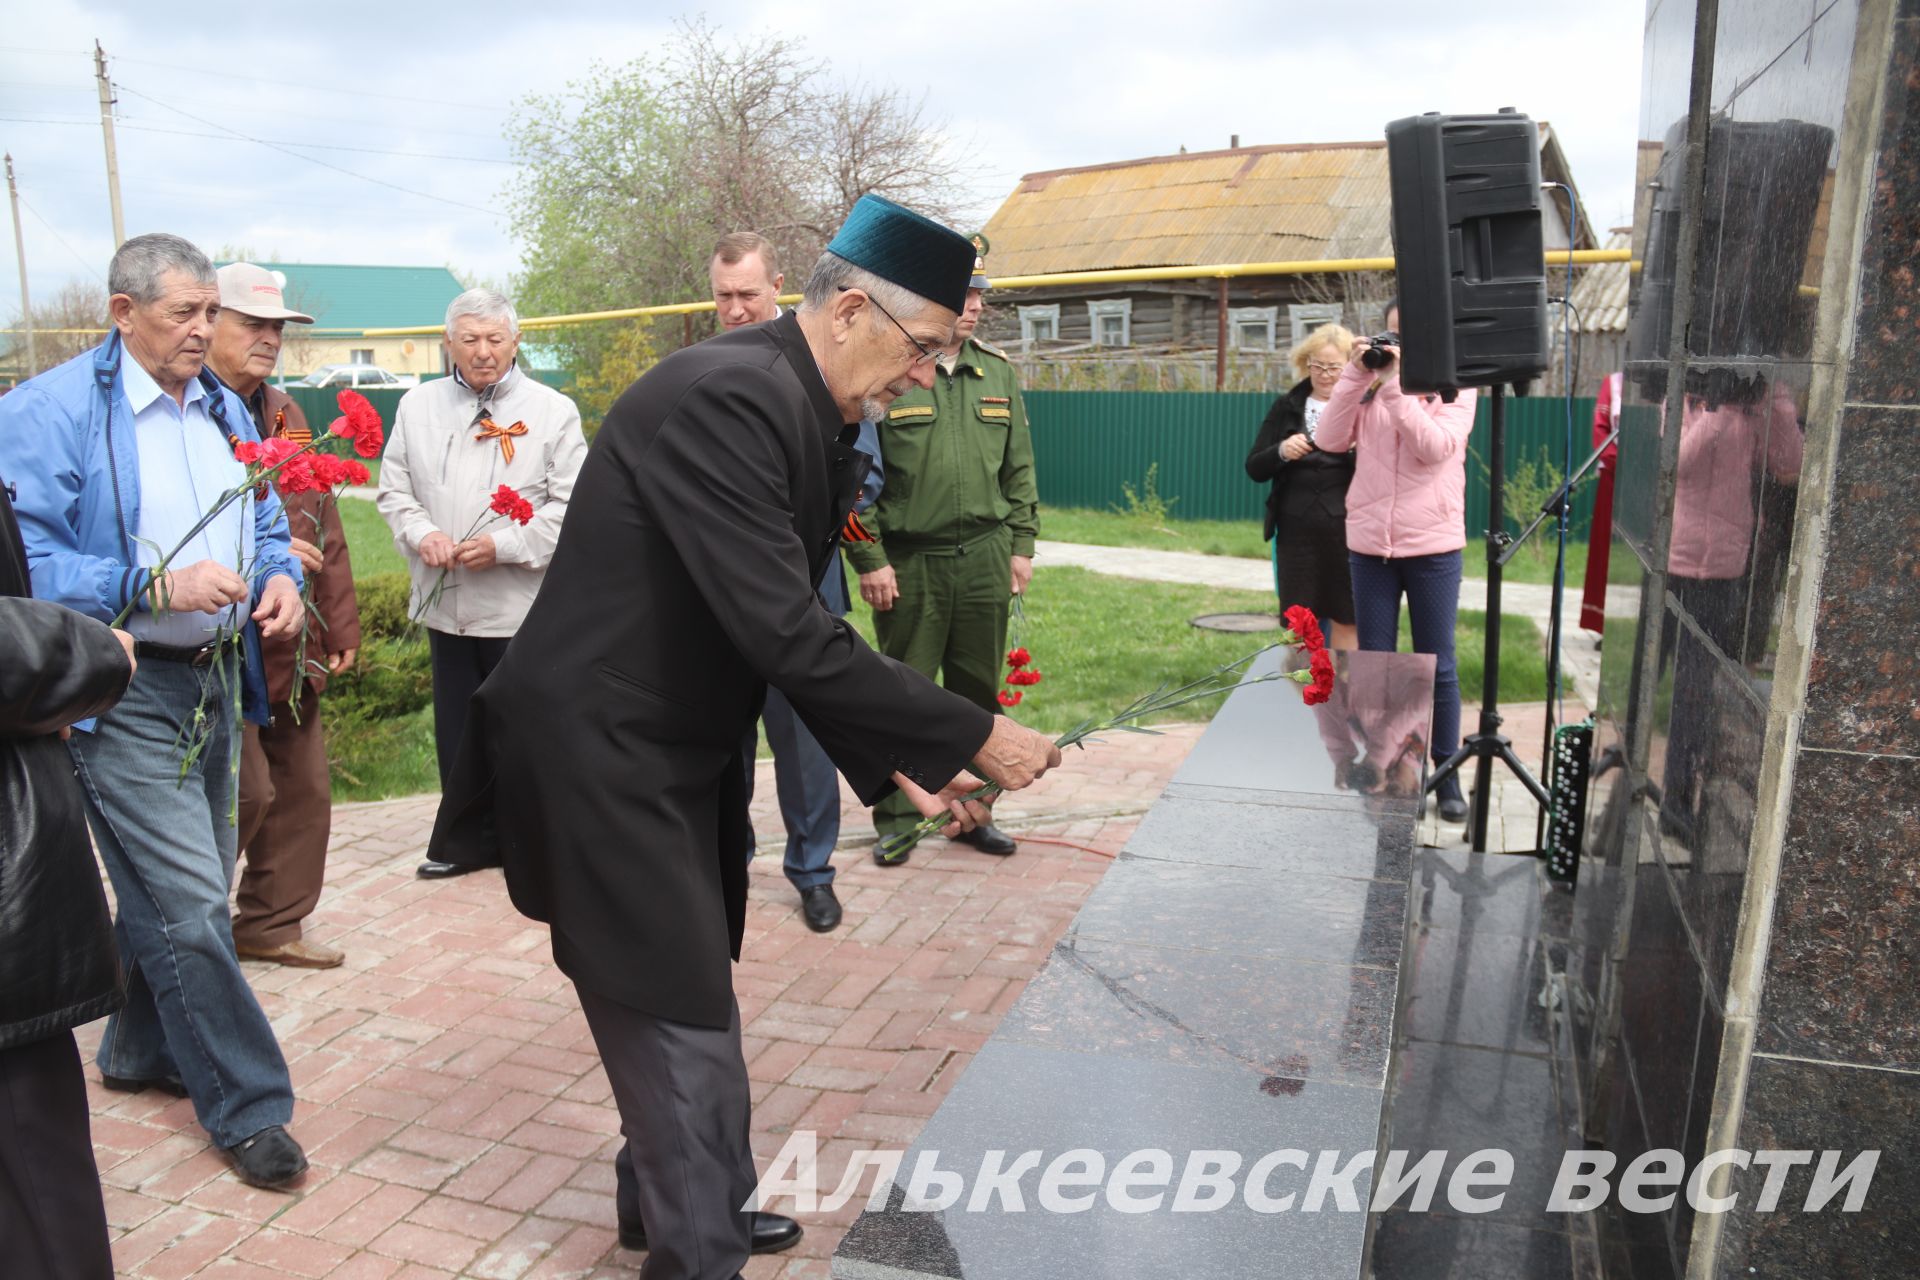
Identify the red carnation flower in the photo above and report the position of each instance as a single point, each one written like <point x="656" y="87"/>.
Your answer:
<point x="361" y="416"/>
<point x="1009" y="699"/>
<point x="1018" y="658"/>
<point x="328" y="469"/>
<point x="522" y="511"/>
<point x="370" y="441"/>
<point x="297" y="476"/>
<point x="503" y="500"/>
<point x="1320" y="664"/>
<point x="357" y="472"/>
<point x="1302" y="623"/>
<point x="247" y="451"/>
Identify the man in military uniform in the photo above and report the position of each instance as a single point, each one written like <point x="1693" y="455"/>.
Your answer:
<point x="953" y="533"/>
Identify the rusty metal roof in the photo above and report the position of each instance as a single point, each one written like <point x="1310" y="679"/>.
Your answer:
<point x="1600" y="295"/>
<point x="1251" y="204"/>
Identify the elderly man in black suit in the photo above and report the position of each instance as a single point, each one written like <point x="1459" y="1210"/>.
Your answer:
<point x="602" y="758"/>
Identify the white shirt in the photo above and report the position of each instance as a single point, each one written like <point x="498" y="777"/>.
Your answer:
<point x="1314" y="409"/>
<point x="186" y="463"/>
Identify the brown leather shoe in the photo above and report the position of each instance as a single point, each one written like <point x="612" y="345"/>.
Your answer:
<point x="300" y="953"/>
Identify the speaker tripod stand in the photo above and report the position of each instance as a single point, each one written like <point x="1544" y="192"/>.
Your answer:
<point x="1489" y="744"/>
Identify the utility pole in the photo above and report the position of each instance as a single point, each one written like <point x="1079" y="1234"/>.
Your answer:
<point x="106" y="128"/>
<point x="20" y="252"/>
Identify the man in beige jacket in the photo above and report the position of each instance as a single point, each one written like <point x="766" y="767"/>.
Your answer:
<point x="455" y="442"/>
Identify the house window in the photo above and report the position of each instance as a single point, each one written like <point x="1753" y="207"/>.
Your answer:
<point x="360" y="355"/>
<point x="1252" y="328"/>
<point x="1111" y="322"/>
<point x="1040" y="324"/>
<point x="1304" y="318"/>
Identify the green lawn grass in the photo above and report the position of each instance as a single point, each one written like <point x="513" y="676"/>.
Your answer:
<point x="1242" y="538"/>
<point x="368" y="540"/>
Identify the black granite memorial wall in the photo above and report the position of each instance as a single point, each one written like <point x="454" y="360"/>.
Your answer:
<point x="1741" y="970"/>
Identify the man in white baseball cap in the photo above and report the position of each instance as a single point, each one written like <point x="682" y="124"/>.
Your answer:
<point x="286" y="793"/>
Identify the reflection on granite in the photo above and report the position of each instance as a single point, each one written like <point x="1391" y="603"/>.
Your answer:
<point x="1016" y="1098"/>
<point x="1637" y="480"/>
<point x="1863" y="693"/>
<point x="1457" y="1099"/>
<point x="1276" y="836"/>
<point x="1265" y="738"/>
<point x="1798" y="1106"/>
<point x="1268" y="913"/>
<point x="1229" y="986"/>
<point x="1885" y="367"/>
<point x="1661" y="1000"/>
<point x="1637" y="1246"/>
<point x="1840" y="973"/>
<point x="1270" y="1016"/>
<point x="1467" y="989"/>
<point x="1439" y="1246"/>
<point x="1484" y="894"/>
<point x="1620" y="648"/>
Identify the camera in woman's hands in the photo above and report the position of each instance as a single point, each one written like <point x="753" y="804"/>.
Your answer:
<point x="1375" y="357"/>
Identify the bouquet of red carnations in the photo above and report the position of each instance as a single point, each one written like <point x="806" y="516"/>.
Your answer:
<point x="506" y="503"/>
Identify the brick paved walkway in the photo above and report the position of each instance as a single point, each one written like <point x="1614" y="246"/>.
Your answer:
<point x="449" y="1094"/>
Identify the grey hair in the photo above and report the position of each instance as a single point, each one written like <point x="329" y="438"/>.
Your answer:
<point x="140" y="262"/>
<point x="484" y="304"/>
<point x="833" y="273"/>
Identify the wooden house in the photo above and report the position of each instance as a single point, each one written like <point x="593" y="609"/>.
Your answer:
<point x="1307" y="201"/>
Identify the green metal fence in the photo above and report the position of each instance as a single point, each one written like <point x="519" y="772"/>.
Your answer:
<point x="1087" y="444"/>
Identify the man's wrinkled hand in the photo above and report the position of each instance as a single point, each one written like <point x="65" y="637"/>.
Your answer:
<point x="950" y="801"/>
<point x="341" y="662"/>
<point x="880" y="588"/>
<point x="437" y="550"/>
<point x="206" y="587"/>
<point x="1022" y="574"/>
<point x="1015" y="756"/>
<point x="280" y="608"/>
<point x="307" y="554"/>
<point x="475" y="553"/>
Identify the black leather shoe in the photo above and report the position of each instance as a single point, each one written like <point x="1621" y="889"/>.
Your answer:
<point x="772" y="1232"/>
<point x="988" y="838"/>
<point x="136" y="1084"/>
<point x="820" y="907"/>
<point x="1453" y="806"/>
<point x="431" y="870"/>
<point x="270" y="1158"/>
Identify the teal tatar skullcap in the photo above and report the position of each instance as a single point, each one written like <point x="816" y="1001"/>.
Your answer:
<point x="907" y="249"/>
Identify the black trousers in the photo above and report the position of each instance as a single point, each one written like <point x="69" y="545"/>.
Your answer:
<point x="52" y="1219"/>
<point x="684" y="1107"/>
<point x="460" y="665"/>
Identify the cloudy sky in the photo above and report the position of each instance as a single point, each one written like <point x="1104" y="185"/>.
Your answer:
<point x="368" y="133"/>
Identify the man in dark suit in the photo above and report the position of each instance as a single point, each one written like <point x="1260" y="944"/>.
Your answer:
<point x="603" y="757"/>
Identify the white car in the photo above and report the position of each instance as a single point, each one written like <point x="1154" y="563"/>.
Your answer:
<point x="359" y="376"/>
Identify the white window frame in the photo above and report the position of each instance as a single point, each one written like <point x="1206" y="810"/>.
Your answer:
<point x="1304" y="317"/>
<point x="1267" y="316"/>
<point x="1098" y="311"/>
<point x="360" y="355"/>
<point x="1030" y="314"/>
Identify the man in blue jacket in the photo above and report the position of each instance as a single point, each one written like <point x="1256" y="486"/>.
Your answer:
<point x="113" y="458"/>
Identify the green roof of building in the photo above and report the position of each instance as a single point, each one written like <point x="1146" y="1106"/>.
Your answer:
<point x="351" y="297"/>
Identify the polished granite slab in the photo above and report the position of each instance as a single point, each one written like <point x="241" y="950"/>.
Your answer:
<point x="1229" y="986"/>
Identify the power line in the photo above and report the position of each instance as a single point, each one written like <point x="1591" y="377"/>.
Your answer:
<point x="325" y="164"/>
<point x="90" y="268"/>
<point x="279" y="142"/>
<point x="315" y="88"/>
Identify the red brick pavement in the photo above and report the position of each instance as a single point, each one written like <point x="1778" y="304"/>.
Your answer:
<point x="449" y="1094"/>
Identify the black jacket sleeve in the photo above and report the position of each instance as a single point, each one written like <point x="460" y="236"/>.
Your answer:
<point x="716" y="477"/>
<point x="1263" y="460"/>
<point x="56" y="667"/>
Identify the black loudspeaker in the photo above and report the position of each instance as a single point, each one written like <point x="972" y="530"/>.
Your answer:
<point x="1468" y="249"/>
<point x="1764" y="180"/>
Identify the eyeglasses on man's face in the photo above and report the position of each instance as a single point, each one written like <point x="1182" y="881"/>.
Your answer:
<point x="926" y="352"/>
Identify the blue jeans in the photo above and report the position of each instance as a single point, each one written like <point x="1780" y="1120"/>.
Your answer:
<point x="168" y="845"/>
<point x="809" y="788"/>
<point x="1432" y="587"/>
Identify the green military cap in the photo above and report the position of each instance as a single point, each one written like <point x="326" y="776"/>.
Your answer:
<point x="979" y="280"/>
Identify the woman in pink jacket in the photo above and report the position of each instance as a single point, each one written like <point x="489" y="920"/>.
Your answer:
<point x="1406" y="512"/>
